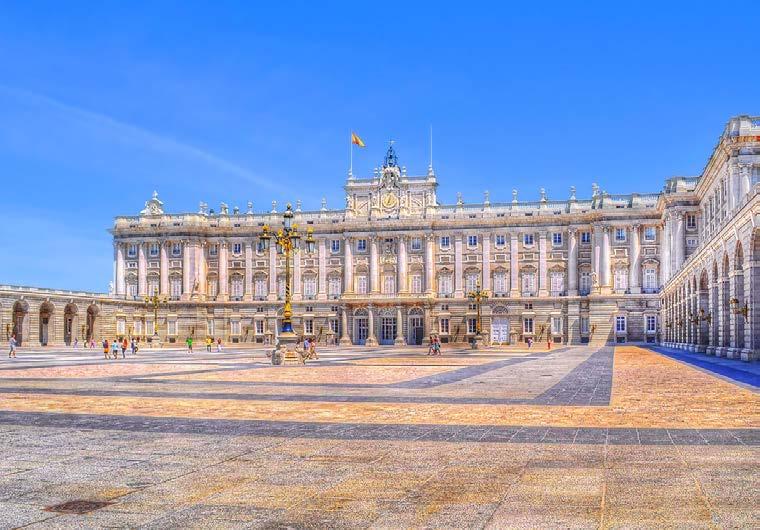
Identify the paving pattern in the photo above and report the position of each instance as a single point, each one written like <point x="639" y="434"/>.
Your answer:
<point x="379" y="438"/>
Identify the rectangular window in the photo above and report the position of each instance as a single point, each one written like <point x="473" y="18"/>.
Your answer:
<point x="153" y="249"/>
<point x="310" y="286"/>
<point x="121" y="326"/>
<point x="585" y="237"/>
<point x="556" y="325"/>
<point x="445" y="242"/>
<point x="472" y="325"/>
<point x="416" y="283"/>
<point x="176" y="249"/>
<point x="472" y="241"/>
<point x="334" y="325"/>
<point x="650" y="233"/>
<point x="557" y="283"/>
<point x="471" y="282"/>
<point x="527" y="325"/>
<point x="361" y="245"/>
<point x="620" y="324"/>
<point x="237" y="287"/>
<point x="150" y="327"/>
<point x="235" y="327"/>
<point x="499" y="283"/>
<point x="335" y="246"/>
<point x="620" y="234"/>
<point x="584" y="324"/>
<point x="333" y="286"/>
<point x="443" y="326"/>
<point x="308" y="326"/>
<point x="585" y="283"/>
<point x="171" y="327"/>
<point x="650" y="278"/>
<point x="260" y="286"/>
<point x="416" y="243"/>
<point x="620" y="280"/>
<point x="361" y="284"/>
<point x="651" y="324"/>
<point x="557" y="239"/>
<point x="501" y="240"/>
<point x="259" y="327"/>
<point x="691" y="221"/>
<point x="237" y="248"/>
<point x="444" y="284"/>
<point x="527" y="239"/>
<point x="528" y="283"/>
<point x="213" y="250"/>
<point x="132" y="250"/>
<point x="210" y="327"/>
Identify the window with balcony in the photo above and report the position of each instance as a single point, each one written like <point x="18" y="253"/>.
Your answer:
<point x="260" y="286"/>
<point x="153" y="285"/>
<point x="236" y="290"/>
<point x="175" y="287"/>
<point x="310" y="286"/>
<point x="471" y="281"/>
<point x="472" y="325"/>
<point x="259" y="327"/>
<point x="500" y="283"/>
<point x="556" y="325"/>
<point x="235" y="327"/>
<point x="389" y="284"/>
<point x="620" y="280"/>
<point x="650" y="279"/>
<point x="333" y="286"/>
<point x="584" y="284"/>
<point x="211" y="286"/>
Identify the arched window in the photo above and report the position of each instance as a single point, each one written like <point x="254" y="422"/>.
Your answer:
<point x="212" y="286"/>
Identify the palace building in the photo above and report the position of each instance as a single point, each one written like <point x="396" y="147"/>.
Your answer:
<point x="680" y="267"/>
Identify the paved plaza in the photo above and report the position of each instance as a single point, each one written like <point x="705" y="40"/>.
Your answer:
<point x="574" y="437"/>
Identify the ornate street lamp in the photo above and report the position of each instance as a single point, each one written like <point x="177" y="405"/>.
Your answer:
<point x="478" y="296"/>
<point x="288" y="242"/>
<point x="155" y="302"/>
<point x="740" y="310"/>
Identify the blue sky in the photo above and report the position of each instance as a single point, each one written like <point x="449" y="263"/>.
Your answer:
<point x="235" y="101"/>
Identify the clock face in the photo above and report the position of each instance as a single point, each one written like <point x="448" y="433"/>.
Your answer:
<point x="390" y="200"/>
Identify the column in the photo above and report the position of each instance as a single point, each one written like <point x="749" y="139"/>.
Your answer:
<point x="121" y="287"/>
<point x="733" y="194"/>
<point x="187" y="274"/>
<point x="142" y="270"/>
<point x="430" y="264"/>
<point x="458" y="288"/>
<point x="605" y="259"/>
<point x="596" y="259"/>
<point x="345" y="339"/>
<point x="322" y="279"/>
<point x="296" y="286"/>
<point x="542" y="274"/>
<point x="402" y="284"/>
<point x="634" y="261"/>
<point x="348" y="266"/>
<point x="272" y="294"/>
<point x="200" y="260"/>
<point x="374" y="274"/>
<point x="399" y="340"/>
<point x="679" y="242"/>
<point x="371" y="339"/>
<point x="572" y="262"/>
<point x="744" y="181"/>
<point x="223" y="289"/>
<point x="164" y="256"/>
<point x="665" y="250"/>
<point x="486" y="241"/>
<point x="514" y="267"/>
<point x="248" y="271"/>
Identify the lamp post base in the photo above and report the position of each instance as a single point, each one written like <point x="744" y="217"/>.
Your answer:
<point x="478" y="342"/>
<point x="285" y="351"/>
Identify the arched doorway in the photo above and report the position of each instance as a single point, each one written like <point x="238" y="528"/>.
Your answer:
<point x="46" y="315"/>
<point x="388" y="323"/>
<point x="704" y="310"/>
<point x="415" y="326"/>
<point x="714" y="306"/>
<point x="20" y="312"/>
<point x="725" y="327"/>
<point x="69" y="323"/>
<point x="500" y="325"/>
<point x="92" y="317"/>
<point x="754" y="295"/>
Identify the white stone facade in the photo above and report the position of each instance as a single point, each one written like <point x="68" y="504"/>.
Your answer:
<point x="394" y="265"/>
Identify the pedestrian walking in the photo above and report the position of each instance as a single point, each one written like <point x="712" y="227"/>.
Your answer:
<point x="209" y="341"/>
<point x="124" y="348"/>
<point x="549" y="343"/>
<point x="189" y="343"/>
<point x="76" y="342"/>
<point x="134" y="346"/>
<point x="436" y="345"/>
<point x="431" y="346"/>
<point x="12" y="343"/>
<point x="219" y="344"/>
<point x="106" y="349"/>
<point x="115" y="348"/>
<point x="92" y="343"/>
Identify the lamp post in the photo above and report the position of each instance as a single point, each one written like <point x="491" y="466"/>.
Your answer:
<point x="288" y="242"/>
<point x="478" y="296"/>
<point x="155" y="302"/>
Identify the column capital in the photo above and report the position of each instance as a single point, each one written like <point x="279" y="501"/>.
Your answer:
<point x="572" y="230"/>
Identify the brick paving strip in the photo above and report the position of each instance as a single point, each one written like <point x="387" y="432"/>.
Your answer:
<point x="365" y="431"/>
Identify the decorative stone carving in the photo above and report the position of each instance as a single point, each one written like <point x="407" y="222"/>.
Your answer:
<point x="153" y="206"/>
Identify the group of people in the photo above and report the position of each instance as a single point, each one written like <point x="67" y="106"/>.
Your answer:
<point x="90" y="343"/>
<point x="111" y="349"/>
<point x="210" y="341"/>
<point x="435" y="345"/>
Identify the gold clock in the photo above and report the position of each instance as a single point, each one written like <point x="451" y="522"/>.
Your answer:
<point x="390" y="200"/>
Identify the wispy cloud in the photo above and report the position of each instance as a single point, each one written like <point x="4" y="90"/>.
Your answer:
<point x="119" y="131"/>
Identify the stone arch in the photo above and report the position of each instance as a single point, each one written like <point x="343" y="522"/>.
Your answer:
<point x="20" y="320"/>
<point x="46" y="326"/>
<point x="703" y="310"/>
<point x="70" y="323"/>
<point x="724" y="328"/>
<point x="754" y="291"/>
<point x="92" y="322"/>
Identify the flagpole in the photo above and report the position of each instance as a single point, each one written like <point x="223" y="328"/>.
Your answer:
<point x="351" y="154"/>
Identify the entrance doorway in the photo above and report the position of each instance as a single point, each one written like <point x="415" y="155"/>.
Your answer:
<point x="361" y="329"/>
<point x="92" y="313"/>
<point x="415" y="330"/>
<point x="387" y="330"/>
<point x="19" y="314"/>
<point x="500" y="331"/>
<point x="46" y="313"/>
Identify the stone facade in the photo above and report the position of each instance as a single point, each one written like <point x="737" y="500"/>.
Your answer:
<point x="394" y="266"/>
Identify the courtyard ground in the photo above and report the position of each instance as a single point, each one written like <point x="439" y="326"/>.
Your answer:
<point x="381" y="438"/>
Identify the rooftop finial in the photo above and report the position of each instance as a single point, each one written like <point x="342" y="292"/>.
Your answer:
<point x="572" y="193"/>
<point x="487" y="197"/>
<point x="324" y="204"/>
<point x="298" y="205"/>
<point x="250" y="207"/>
<point x="391" y="160"/>
<point x="543" y="194"/>
<point x="514" y="195"/>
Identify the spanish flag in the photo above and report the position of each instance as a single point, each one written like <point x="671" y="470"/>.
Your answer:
<point x="356" y="140"/>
